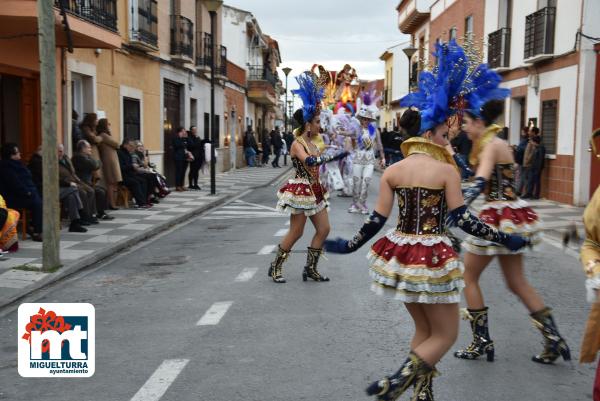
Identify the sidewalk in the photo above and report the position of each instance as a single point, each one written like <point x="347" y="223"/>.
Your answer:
<point x="129" y="227"/>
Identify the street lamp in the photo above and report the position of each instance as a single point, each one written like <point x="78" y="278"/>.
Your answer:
<point x="212" y="6"/>
<point x="409" y="51"/>
<point x="286" y="71"/>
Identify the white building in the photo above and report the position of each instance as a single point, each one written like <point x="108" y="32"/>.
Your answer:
<point x="396" y="84"/>
<point x="550" y="70"/>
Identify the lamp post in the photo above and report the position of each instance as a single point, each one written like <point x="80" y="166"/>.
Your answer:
<point x="286" y="71"/>
<point x="212" y="6"/>
<point x="409" y="51"/>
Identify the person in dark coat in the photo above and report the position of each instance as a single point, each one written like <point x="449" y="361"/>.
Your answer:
<point x="196" y="147"/>
<point x="288" y="137"/>
<point x="137" y="185"/>
<point x="18" y="189"/>
<point x="519" y="159"/>
<point x="277" y="142"/>
<point x="182" y="156"/>
<point x="266" y="146"/>
<point x="35" y="166"/>
<point x="534" y="173"/>
<point x="250" y="147"/>
<point x="85" y="167"/>
<point x="76" y="133"/>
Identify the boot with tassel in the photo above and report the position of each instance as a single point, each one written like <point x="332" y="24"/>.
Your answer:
<point x="554" y="344"/>
<point x="276" y="268"/>
<point x="310" y="270"/>
<point x="482" y="343"/>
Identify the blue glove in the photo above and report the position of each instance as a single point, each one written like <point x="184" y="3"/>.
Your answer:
<point x="338" y="245"/>
<point x="516" y="242"/>
<point x="472" y="191"/>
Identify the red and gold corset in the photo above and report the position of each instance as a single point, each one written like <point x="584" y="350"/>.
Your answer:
<point x="501" y="186"/>
<point x="302" y="171"/>
<point x="422" y="210"/>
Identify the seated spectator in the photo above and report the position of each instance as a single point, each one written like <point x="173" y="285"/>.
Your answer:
<point x="35" y="166"/>
<point x="81" y="213"/>
<point x="9" y="218"/>
<point x="85" y="168"/>
<point x="136" y="184"/>
<point x="142" y="164"/>
<point x="16" y="184"/>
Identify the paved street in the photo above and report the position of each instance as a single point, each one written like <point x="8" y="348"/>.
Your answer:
<point x="191" y="315"/>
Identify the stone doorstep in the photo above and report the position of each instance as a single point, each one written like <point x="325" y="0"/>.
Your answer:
<point x="16" y="283"/>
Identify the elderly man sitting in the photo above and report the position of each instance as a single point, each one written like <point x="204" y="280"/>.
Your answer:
<point x="85" y="168"/>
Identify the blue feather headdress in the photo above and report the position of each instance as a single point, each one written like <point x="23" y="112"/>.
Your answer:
<point x="481" y="87"/>
<point x="440" y="91"/>
<point x="310" y="93"/>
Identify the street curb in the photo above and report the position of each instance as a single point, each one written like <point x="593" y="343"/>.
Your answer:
<point x="99" y="256"/>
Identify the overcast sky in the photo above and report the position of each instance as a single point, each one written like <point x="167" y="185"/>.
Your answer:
<point x="327" y="32"/>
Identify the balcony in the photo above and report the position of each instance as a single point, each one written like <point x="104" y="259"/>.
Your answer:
<point x="182" y="39"/>
<point x="144" y="25"/>
<point x="499" y="49"/>
<point x="539" y="35"/>
<point x="204" y="54"/>
<point x="99" y="12"/>
<point x="261" y="85"/>
<point x="411" y="14"/>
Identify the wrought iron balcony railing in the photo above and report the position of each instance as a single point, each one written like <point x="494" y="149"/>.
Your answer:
<point x="539" y="32"/>
<point x="145" y="22"/>
<point x="261" y="73"/>
<point x="499" y="48"/>
<point x="204" y="55"/>
<point x="99" y="12"/>
<point x="182" y="37"/>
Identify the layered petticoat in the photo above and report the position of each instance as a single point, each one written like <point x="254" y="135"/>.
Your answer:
<point x="299" y="196"/>
<point x="416" y="268"/>
<point x="513" y="217"/>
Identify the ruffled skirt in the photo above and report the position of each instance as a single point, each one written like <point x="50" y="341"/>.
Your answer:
<point x="416" y="268"/>
<point x="513" y="217"/>
<point x="299" y="196"/>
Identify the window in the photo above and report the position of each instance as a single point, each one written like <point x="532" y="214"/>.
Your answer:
<point x="452" y="33"/>
<point x="549" y="125"/>
<point x="193" y="112"/>
<point x="207" y="126"/>
<point x="131" y="118"/>
<point x="469" y="28"/>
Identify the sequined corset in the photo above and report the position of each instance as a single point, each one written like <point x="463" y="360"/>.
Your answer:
<point x="308" y="173"/>
<point x="501" y="186"/>
<point x="422" y="210"/>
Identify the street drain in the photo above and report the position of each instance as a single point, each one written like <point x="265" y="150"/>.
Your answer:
<point x="168" y="261"/>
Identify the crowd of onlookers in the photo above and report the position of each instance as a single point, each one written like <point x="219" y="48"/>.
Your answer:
<point x="89" y="181"/>
<point x="273" y="143"/>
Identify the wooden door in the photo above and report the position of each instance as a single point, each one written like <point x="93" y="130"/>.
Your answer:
<point x="30" y="117"/>
<point x="172" y="105"/>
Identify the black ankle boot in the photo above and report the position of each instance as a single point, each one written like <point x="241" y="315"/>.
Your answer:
<point x="391" y="388"/>
<point x="310" y="270"/>
<point x="554" y="344"/>
<point x="424" y="387"/>
<point x="276" y="268"/>
<point x="482" y="343"/>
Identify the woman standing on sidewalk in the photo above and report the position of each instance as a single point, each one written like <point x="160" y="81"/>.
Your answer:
<point x="415" y="263"/>
<point x="304" y="196"/>
<point x="494" y="162"/>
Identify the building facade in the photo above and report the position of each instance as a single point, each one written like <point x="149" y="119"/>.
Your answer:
<point x="395" y="85"/>
<point x="544" y="50"/>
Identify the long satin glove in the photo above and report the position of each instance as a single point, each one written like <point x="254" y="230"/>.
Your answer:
<point x="463" y="166"/>
<point x="474" y="190"/>
<point x="466" y="221"/>
<point x="372" y="225"/>
<point x="318" y="160"/>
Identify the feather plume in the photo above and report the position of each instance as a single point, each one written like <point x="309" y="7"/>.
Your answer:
<point x="310" y="93"/>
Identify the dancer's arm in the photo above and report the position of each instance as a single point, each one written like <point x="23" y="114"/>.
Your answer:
<point x="460" y="216"/>
<point x="462" y="165"/>
<point x="310" y="160"/>
<point x="372" y="225"/>
<point x="484" y="172"/>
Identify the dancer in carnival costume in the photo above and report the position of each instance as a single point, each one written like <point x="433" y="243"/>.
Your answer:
<point x="304" y="196"/>
<point x="590" y="258"/>
<point x="415" y="262"/>
<point x="364" y="158"/>
<point x="492" y="159"/>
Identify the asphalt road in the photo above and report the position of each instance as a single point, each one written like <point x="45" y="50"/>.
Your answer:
<point x="192" y="315"/>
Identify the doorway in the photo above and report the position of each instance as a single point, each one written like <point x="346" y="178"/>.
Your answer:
<point x="172" y="116"/>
